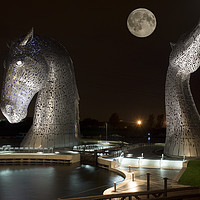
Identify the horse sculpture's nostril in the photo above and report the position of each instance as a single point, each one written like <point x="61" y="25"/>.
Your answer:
<point x="9" y="109"/>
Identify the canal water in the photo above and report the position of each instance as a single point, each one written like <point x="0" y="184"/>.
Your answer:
<point x="39" y="182"/>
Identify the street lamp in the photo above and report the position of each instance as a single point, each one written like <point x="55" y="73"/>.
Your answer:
<point x="106" y="130"/>
<point x="139" y="122"/>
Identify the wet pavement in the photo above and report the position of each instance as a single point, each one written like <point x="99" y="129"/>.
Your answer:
<point x="157" y="175"/>
<point x="156" y="179"/>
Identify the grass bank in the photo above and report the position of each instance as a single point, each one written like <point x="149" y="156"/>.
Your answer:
<point x="191" y="176"/>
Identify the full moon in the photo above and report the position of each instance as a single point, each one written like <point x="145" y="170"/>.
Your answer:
<point x="141" y="22"/>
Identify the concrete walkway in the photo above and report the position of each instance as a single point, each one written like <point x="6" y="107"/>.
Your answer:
<point x="140" y="181"/>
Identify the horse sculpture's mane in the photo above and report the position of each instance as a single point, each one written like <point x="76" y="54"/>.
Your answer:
<point x="183" y="121"/>
<point x="41" y="65"/>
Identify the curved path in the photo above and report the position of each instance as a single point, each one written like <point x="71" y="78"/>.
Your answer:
<point x="157" y="175"/>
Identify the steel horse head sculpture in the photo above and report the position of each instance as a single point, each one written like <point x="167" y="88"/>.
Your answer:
<point x="41" y="65"/>
<point x="183" y="120"/>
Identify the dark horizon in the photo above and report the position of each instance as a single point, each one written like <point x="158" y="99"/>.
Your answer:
<point x="115" y="71"/>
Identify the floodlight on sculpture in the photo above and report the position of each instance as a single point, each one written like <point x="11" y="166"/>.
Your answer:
<point x="41" y="65"/>
<point x="183" y="120"/>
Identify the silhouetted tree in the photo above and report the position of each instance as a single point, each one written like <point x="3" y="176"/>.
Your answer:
<point x="150" y="121"/>
<point x="160" y="121"/>
<point x="114" y="120"/>
<point x="90" y="123"/>
<point x="90" y="127"/>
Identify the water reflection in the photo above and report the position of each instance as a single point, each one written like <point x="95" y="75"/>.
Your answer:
<point x="50" y="182"/>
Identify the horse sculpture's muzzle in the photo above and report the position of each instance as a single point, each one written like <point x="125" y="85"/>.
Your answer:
<point x="10" y="112"/>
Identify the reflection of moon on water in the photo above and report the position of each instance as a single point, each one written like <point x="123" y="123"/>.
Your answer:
<point x="141" y="22"/>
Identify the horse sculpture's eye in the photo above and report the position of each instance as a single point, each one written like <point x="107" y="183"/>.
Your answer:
<point x="19" y="63"/>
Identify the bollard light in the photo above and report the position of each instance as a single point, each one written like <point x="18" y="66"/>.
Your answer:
<point x="133" y="176"/>
<point x="162" y="156"/>
<point x="142" y="155"/>
<point x="148" y="184"/>
<point x="115" y="187"/>
<point x="165" y="187"/>
<point x="129" y="168"/>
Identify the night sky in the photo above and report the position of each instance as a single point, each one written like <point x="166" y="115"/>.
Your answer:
<point x="115" y="71"/>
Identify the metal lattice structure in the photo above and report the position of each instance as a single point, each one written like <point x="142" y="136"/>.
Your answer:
<point x="41" y="65"/>
<point x="183" y="120"/>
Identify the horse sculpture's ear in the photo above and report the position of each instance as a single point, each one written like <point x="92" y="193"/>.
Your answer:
<point x="28" y="38"/>
<point x="9" y="44"/>
<point x="172" y="45"/>
<point x="199" y="22"/>
<point x="4" y="64"/>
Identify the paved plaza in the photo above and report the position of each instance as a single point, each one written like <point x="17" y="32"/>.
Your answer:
<point x="157" y="175"/>
<point x="156" y="179"/>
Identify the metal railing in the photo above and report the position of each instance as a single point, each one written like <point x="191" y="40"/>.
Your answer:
<point x="9" y="148"/>
<point x="166" y="194"/>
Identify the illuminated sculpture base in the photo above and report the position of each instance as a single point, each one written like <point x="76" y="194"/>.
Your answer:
<point x="183" y="121"/>
<point x="41" y="65"/>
